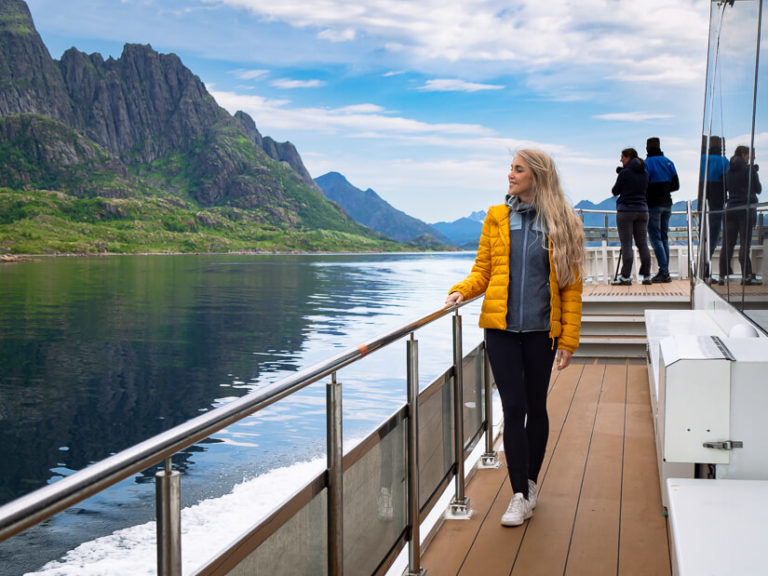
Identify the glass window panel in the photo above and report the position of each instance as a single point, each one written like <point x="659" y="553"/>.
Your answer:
<point x="755" y="299"/>
<point x="435" y="439"/>
<point x="728" y="112"/>
<point x="299" y="547"/>
<point x="375" y="495"/>
<point x="473" y="394"/>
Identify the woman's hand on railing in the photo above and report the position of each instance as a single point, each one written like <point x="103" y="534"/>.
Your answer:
<point x="454" y="298"/>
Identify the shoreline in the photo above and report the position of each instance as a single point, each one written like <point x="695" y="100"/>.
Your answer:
<point x="15" y="258"/>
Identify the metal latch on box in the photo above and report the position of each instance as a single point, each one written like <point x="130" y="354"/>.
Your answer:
<point x="726" y="445"/>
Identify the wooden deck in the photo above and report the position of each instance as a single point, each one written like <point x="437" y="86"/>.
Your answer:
<point x="676" y="288"/>
<point x="599" y="509"/>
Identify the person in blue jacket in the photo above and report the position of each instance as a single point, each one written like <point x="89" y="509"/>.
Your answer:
<point x="714" y="167"/>
<point x="632" y="215"/>
<point x="743" y="186"/>
<point x="662" y="181"/>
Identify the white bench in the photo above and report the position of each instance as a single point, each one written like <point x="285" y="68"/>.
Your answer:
<point x="718" y="527"/>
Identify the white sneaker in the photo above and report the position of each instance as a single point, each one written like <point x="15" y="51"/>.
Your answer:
<point x="533" y="493"/>
<point x="518" y="511"/>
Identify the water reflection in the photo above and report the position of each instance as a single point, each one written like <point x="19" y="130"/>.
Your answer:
<point x="97" y="354"/>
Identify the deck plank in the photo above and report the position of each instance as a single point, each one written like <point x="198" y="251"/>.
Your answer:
<point x="496" y="546"/>
<point x="548" y="535"/>
<point x="595" y="543"/>
<point x="600" y="507"/>
<point x="643" y="525"/>
<point x="457" y="537"/>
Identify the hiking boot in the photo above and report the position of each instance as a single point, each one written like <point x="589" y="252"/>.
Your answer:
<point x="661" y="278"/>
<point x="518" y="511"/>
<point x="621" y="281"/>
<point x="533" y="493"/>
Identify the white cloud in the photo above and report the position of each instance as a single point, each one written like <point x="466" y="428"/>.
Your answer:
<point x="290" y="84"/>
<point x="455" y="85"/>
<point x="346" y="35"/>
<point x="632" y="116"/>
<point x="361" y="120"/>
<point x="250" y="74"/>
<point x="669" y="37"/>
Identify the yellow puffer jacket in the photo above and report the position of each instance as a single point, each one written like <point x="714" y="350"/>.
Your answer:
<point x="490" y="275"/>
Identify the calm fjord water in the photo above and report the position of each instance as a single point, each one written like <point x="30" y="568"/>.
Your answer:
<point x="97" y="354"/>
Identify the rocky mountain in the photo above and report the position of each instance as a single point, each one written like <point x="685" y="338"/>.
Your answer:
<point x="368" y="208"/>
<point x="280" y="151"/>
<point x="464" y="232"/>
<point x="142" y="124"/>
<point x="30" y="80"/>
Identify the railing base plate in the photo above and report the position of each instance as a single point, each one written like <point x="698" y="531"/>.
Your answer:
<point x="459" y="510"/>
<point x="489" y="460"/>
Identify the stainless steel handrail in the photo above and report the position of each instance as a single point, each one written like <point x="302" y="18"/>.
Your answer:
<point x="606" y="211"/>
<point x="43" y="503"/>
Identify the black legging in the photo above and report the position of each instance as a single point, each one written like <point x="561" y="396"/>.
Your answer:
<point x="522" y="365"/>
<point x="633" y="225"/>
<point x="739" y="222"/>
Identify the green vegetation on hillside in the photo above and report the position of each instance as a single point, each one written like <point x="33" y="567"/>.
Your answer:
<point x="50" y="222"/>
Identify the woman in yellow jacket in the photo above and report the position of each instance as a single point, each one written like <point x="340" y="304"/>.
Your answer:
<point x="529" y="265"/>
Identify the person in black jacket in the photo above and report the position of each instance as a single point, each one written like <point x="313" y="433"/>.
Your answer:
<point x="742" y="186"/>
<point x="632" y="215"/>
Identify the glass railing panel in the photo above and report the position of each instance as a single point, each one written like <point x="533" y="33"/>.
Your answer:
<point x="375" y="495"/>
<point x="473" y="394"/>
<point x="728" y="124"/>
<point x="755" y="299"/>
<point x="755" y="293"/>
<point x="740" y="258"/>
<point x="435" y="437"/>
<point x="297" y="548"/>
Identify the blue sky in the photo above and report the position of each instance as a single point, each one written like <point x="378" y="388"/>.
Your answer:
<point x="426" y="101"/>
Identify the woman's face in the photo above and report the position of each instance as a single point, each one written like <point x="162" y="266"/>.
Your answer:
<point x="521" y="180"/>
<point x="624" y="160"/>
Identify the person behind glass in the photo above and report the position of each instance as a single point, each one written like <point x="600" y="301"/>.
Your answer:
<point x="743" y="186"/>
<point x="714" y="166"/>
<point x="662" y="181"/>
<point x="632" y="215"/>
<point x="529" y="266"/>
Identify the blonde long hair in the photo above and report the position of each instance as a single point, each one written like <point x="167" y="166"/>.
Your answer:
<point x="564" y="227"/>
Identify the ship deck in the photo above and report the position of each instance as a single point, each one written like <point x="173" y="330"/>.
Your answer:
<point x="599" y="509"/>
<point x="677" y="288"/>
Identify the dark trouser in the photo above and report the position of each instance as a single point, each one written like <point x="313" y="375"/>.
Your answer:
<point x="522" y="365"/>
<point x="716" y="199"/>
<point x="739" y="223"/>
<point x="633" y="225"/>
<point x="658" y="233"/>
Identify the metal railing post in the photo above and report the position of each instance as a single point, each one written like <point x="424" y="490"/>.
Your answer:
<point x="168" y="511"/>
<point x="490" y="458"/>
<point x="335" y="450"/>
<point x="460" y="503"/>
<point x="414" y="537"/>
<point x="691" y="257"/>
